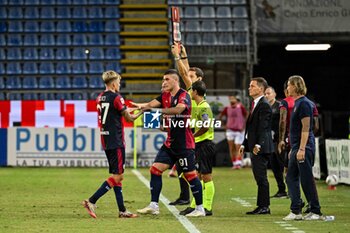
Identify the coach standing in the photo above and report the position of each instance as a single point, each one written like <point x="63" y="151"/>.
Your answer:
<point x="302" y="155"/>
<point x="258" y="140"/>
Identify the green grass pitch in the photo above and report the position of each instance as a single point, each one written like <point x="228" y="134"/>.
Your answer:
<point x="48" y="200"/>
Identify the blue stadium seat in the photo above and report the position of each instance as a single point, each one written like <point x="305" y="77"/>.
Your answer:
<point x="96" y="68"/>
<point x="47" y="12"/>
<point x="15" y="13"/>
<point x="47" y="26"/>
<point x="193" y="39"/>
<point x="239" y="12"/>
<point x="79" y="2"/>
<point x="79" y="39"/>
<point x="208" y="26"/>
<point x="112" y="12"/>
<point x="2" y="96"/>
<point x="2" y="68"/>
<point x="30" y="96"/>
<point x="2" y="40"/>
<point x="63" y="54"/>
<point x="2" y="83"/>
<point x="3" y="13"/>
<point x="64" y="2"/>
<point x="48" y="2"/>
<point x="206" y="2"/>
<point x="46" y="96"/>
<point x="209" y="39"/>
<point x="46" y="83"/>
<point x="3" y="26"/>
<point x="63" y="96"/>
<point x="96" y="53"/>
<point x="80" y="96"/>
<point x="207" y="12"/>
<point x="63" y="82"/>
<point x="94" y="95"/>
<point x="14" y="96"/>
<point x="14" y="39"/>
<point x="15" y="2"/>
<point x="13" y="68"/>
<point x="79" y="13"/>
<point x="63" y="26"/>
<point x="63" y="39"/>
<point x="192" y="26"/>
<point x="174" y="2"/>
<point x="223" y="12"/>
<point x="15" y="26"/>
<point x="30" y="68"/>
<point x="31" y="12"/>
<point x="96" y="82"/>
<point x="225" y="39"/>
<point x="46" y="68"/>
<point x="225" y="26"/>
<point x="31" y="39"/>
<point x="63" y="12"/>
<point x="80" y="26"/>
<point x="96" y="26"/>
<point x="95" y="2"/>
<point x="113" y="53"/>
<point x="30" y="54"/>
<point x="47" y="39"/>
<point x="31" y="2"/>
<point x="79" y="82"/>
<point x="191" y="12"/>
<point x="46" y="54"/>
<point x="114" y="66"/>
<point x="238" y="1"/>
<point x="240" y="25"/>
<point x="79" y="68"/>
<point x="2" y="54"/>
<point x="112" y="39"/>
<point x="112" y="2"/>
<point x="95" y="39"/>
<point x="29" y="83"/>
<point x="222" y="2"/>
<point x="190" y="2"/>
<point x="14" y="54"/>
<point x="79" y="53"/>
<point x="241" y="39"/>
<point x="13" y="83"/>
<point x="31" y="26"/>
<point x="63" y="68"/>
<point x="112" y="26"/>
<point x="96" y="12"/>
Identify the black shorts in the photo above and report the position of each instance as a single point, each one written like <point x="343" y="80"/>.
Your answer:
<point x="205" y="153"/>
<point x="185" y="158"/>
<point x="116" y="160"/>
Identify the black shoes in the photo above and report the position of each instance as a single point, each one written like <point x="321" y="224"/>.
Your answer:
<point x="186" y="211"/>
<point x="180" y="202"/>
<point x="280" y="195"/>
<point x="260" y="210"/>
<point x="208" y="212"/>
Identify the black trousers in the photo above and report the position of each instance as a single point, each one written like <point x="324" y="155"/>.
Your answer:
<point x="259" y="167"/>
<point x="184" y="188"/>
<point x="277" y="167"/>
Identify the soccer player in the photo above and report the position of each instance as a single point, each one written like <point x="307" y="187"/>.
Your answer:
<point x="205" y="151"/>
<point x="179" y="146"/>
<point x="111" y="108"/>
<point x="302" y="154"/>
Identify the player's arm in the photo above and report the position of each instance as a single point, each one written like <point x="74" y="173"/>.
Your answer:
<point x="202" y="130"/>
<point x="131" y="117"/>
<point x="282" y="129"/>
<point x="178" y="109"/>
<point x="182" y="64"/>
<point x="146" y="106"/>
<point x="305" y="122"/>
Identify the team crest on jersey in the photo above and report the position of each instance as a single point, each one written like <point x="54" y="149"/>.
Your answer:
<point x="122" y="100"/>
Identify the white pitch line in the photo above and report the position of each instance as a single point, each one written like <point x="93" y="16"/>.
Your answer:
<point x="182" y="219"/>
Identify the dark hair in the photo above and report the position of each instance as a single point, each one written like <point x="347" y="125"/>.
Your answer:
<point x="273" y="89"/>
<point x="200" y="87"/>
<point x="261" y="82"/>
<point x="198" y="71"/>
<point x="173" y="71"/>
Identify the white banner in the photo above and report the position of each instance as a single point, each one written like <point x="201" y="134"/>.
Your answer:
<point x="310" y="16"/>
<point x="344" y="162"/>
<point x="316" y="169"/>
<point x="75" y="147"/>
<point x="333" y="156"/>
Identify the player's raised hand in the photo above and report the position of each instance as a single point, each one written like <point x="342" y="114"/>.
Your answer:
<point x="183" y="52"/>
<point x="175" y="49"/>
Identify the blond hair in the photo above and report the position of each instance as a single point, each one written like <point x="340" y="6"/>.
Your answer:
<point x="299" y="83"/>
<point x="109" y="76"/>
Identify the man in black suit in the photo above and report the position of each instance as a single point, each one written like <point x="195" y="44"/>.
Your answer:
<point x="258" y="140"/>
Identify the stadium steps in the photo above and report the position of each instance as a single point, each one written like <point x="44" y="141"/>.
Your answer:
<point x="145" y="46"/>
